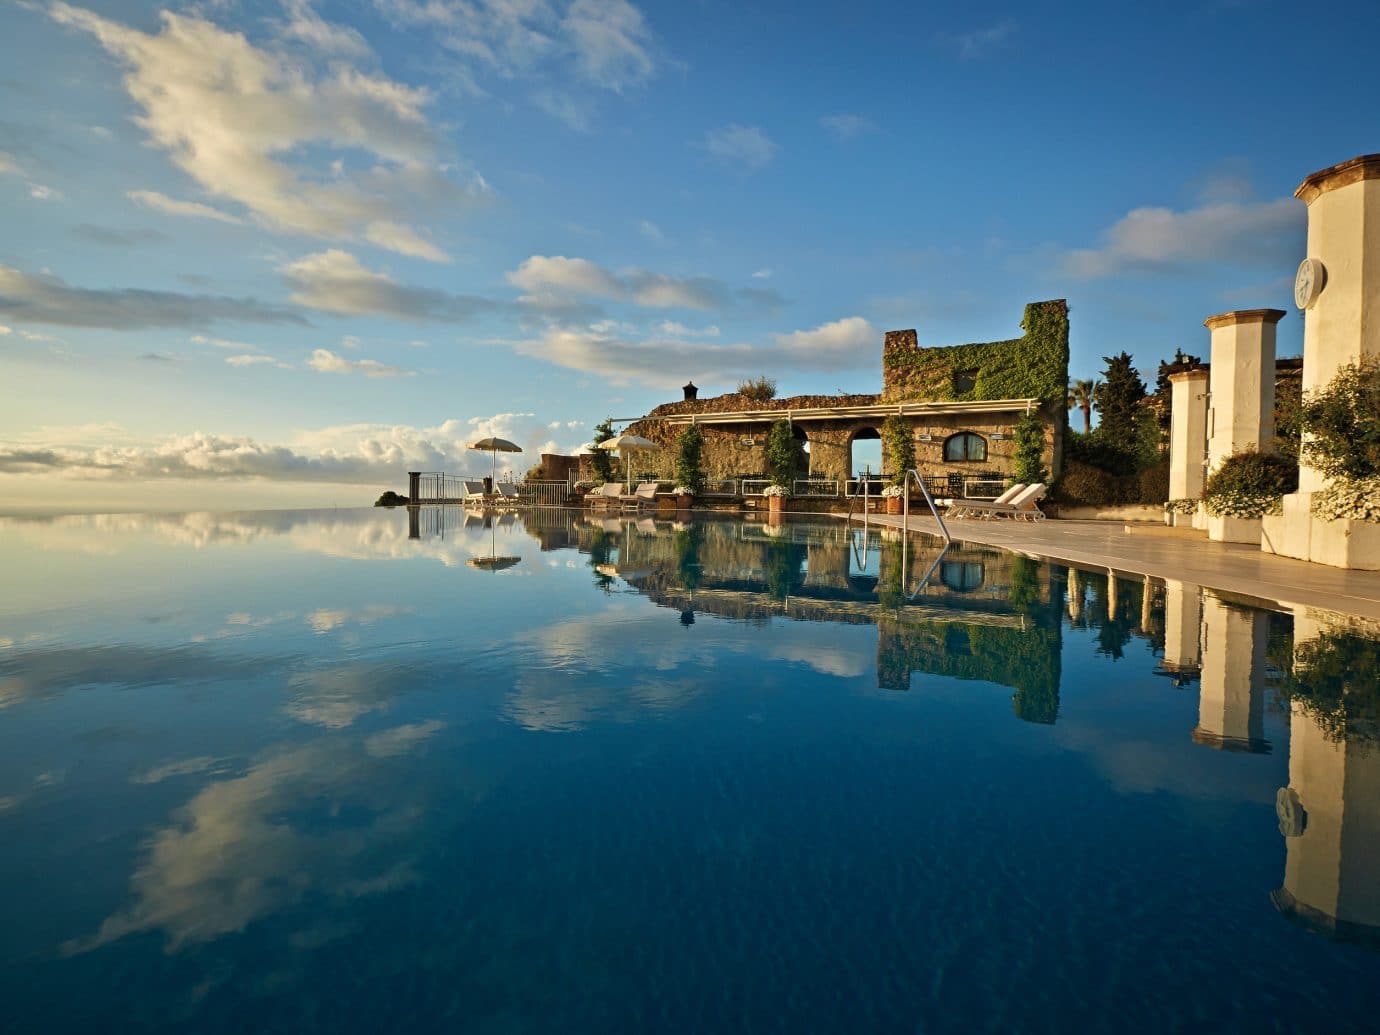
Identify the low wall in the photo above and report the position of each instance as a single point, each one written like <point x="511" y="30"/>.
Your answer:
<point x="1150" y="512"/>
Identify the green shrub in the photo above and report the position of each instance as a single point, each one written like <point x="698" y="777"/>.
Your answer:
<point x="1343" y="423"/>
<point x="1030" y="448"/>
<point x="899" y="440"/>
<point x="1347" y="500"/>
<point x="1249" y="484"/>
<point x="1085" y="485"/>
<point x="689" y="450"/>
<point x="1336" y="679"/>
<point x="602" y="459"/>
<point x="758" y="389"/>
<point x="1154" y="484"/>
<point x="783" y="454"/>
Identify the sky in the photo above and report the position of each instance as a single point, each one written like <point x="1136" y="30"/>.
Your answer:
<point x="281" y="252"/>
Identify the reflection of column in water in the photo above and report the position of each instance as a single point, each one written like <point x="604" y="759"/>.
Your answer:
<point x="1147" y="594"/>
<point x="414" y="530"/>
<point x="1111" y="595"/>
<point x="1183" y="619"/>
<point x="1231" y="694"/>
<point x="1330" y="818"/>
<point x="1075" y="594"/>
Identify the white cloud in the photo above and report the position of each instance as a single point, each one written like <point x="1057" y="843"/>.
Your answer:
<point x="255" y="359"/>
<point x="650" y="230"/>
<point x="1157" y="239"/>
<point x="545" y="278"/>
<point x="404" y="240"/>
<point x="981" y="41"/>
<point x="40" y="192"/>
<point x="672" y="329"/>
<point x="327" y="362"/>
<point x="603" y="43"/>
<point x="746" y="148"/>
<point x="308" y="27"/>
<point x="171" y="206"/>
<point x="239" y="120"/>
<point x="8" y="165"/>
<point x="762" y="274"/>
<point x="4" y="330"/>
<point x="665" y="362"/>
<point x="223" y="343"/>
<point x="334" y="281"/>
<point x="48" y="299"/>
<point x="847" y="126"/>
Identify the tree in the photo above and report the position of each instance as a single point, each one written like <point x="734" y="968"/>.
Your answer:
<point x="1081" y="395"/>
<point x="689" y="450"/>
<point x="783" y="453"/>
<point x="900" y="446"/>
<point x="1342" y="420"/>
<point x="602" y="460"/>
<point x="1163" y="389"/>
<point x="1030" y="448"/>
<point x="758" y="389"/>
<point x="1118" y="402"/>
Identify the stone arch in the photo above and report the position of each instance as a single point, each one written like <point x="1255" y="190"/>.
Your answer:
<point x="803" y="466"/>
<point x="867" y="455"/>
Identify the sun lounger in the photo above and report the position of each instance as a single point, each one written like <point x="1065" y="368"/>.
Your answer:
<point x="1023" y="505"/>
<point x="644" y="496"/>
<point x="604" y="495"/>
<point x="507" y="494"/>
<point x="474" y="492"/>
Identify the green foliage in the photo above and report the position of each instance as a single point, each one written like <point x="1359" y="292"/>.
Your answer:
<point x="1336" y="678"/>
<point x="1035" y="366"/>
<point x="1288" y="416"/>
<point x="1154" y="484"/>
<point x="689" y="452"/>
<point x="1085" y="485"/>
<point x="602" y="459"/>
<point x="1347" y="500"/>
<point x="1250" y="484"/>
<point x="1030" y="447"/>
<point x="783" y="568"/>
<point x="783" y="454"/>
<point x="391" y="499"/>
<point x="687" y="546"/>
<point x="1181" y="362"/>
<point x="1025" y="583"/>
<point x="1343" y="423"/>
<point x="1118" y="404"/>
<point x="899" y="440"/>
<point x="758" y="389"/>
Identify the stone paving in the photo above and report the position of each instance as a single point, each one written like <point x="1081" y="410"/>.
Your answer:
<point x="1233" y="567"/>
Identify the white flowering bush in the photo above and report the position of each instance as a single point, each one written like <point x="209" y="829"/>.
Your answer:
<point x="1250" y="484"/>
<point x="1242" y="503"/>
<point x="584" y="483"/>
<point x="681" y="490"/>
<point x="1183" y="506"/>
<point x="776" y="490"/>
<point x="891" y="492"/>
<point x="1347" y="500"/>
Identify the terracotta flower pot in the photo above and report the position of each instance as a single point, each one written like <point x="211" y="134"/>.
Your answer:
<point x="774" y="504"/>
<point x="683" y="501"/>
<point x="893" y="504"/>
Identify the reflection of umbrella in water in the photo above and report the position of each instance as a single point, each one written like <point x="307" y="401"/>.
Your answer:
<point x="493" y="562"/>
<point x="626" y="444"/>
<point x="495" y="446"/>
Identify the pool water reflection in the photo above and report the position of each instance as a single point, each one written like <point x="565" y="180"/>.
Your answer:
<point x="371" y="770"/>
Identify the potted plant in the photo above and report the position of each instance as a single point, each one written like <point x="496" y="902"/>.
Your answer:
<point x="892" y="495"/>
<point x="684" y="495"/>
<point x="776" y="496"/>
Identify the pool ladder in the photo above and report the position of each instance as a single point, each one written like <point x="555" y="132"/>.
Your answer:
<point x="905" y="525"/>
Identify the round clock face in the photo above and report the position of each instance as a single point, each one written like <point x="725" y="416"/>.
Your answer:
<point x="1309" y="283"/>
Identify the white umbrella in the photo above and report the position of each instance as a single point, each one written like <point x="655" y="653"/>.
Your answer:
<point x="626" y="444"/>
<point x="495" y="446"/>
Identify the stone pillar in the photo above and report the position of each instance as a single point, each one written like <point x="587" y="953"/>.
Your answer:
<point x="1341" y="325"/>
<point x="1075" y="594"/>
<point x="1242" y="414"/>
<point x="1231" y="695"/>
<point x="414" y="490"/>
<point x="1183" y="620"/>
<point x="1188" y="409"/>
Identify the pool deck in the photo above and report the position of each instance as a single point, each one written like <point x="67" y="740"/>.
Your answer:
<point x="1160" y="553"/>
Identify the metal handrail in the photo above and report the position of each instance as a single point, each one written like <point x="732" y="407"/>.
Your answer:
<point x="905" y="505"/>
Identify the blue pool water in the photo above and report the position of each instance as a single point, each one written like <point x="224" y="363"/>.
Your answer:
<point x="323" y="771"/>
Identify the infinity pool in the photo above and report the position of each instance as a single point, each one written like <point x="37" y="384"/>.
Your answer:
<point x="342" y="771"/>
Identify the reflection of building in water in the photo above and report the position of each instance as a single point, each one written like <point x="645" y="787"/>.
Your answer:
<point x="1231" y="696"/>
<point x="1183" y="620"/>
<point x="1330" y="814"/>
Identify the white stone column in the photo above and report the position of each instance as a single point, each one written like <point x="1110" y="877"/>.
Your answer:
<point x="1231" y="695"/>
<point x="1242" y="411"/>
<point x="1341" y="325"/>
<point x="1188" y="409"/>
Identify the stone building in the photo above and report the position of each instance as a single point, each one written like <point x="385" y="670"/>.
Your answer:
<point x="962" y="403"/>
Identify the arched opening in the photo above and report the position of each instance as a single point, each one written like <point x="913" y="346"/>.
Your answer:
<point x="802" y="451"/>
<point x="964" y="448"/>
<point x="865" y="452"/>
<point x="962" y="576"/>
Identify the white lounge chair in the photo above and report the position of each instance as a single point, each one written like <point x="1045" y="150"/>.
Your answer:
<point x="604" y="495"/>
<point x="507" y="494"/>
<point x="474" y="492"/>
<point x="644" y="495"/>
<point x="1023" y="505"/>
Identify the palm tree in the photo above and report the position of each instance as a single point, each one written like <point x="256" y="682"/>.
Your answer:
<point x="1081" y="395"/>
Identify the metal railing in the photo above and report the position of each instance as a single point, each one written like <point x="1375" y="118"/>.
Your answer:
<point x="543" y="494"/>
<point x="435" y="486"/>
<point x="720" y="487"/>
<point x="871" y="485"/>
<point x="817" y="487"/>
<point x="913" y="474"/>
<point x="753" y="486"/>
<point x="983" y="488"/>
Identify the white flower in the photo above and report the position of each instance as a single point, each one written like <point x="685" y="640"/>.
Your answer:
<point x="891" y="492"/>
<point x="681" y="490"/>
<point x="776" y="490"/>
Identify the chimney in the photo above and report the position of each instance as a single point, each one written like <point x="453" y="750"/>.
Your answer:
<point x="691" y="392"/>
